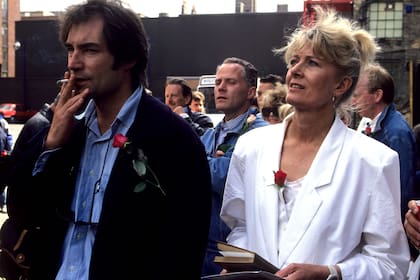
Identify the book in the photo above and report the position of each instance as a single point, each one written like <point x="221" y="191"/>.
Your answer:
<point x="235" y="259"/>
<point x="243" y="275"/>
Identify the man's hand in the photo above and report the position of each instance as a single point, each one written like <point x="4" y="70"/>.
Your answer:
<point x="412" y="224"/>
<point x="63" y="120"/>
<point x="219" y="153"/>
<point x="179" y="110"/>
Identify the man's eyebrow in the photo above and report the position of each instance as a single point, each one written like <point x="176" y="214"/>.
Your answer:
<point x="83" y="45"/>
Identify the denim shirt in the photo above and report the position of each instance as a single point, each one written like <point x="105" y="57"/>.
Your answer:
<point x="218" y="169"/>
<point x="393" y="130"/>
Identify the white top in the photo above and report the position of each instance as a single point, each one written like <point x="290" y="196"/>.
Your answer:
<point x="287" y="198"/>
<point x="347" y="211"/>
<point x="363" y="123"/>
<point x="374" y="121"/>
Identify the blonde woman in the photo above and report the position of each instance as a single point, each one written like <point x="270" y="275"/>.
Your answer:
<point x="337" y="214"/>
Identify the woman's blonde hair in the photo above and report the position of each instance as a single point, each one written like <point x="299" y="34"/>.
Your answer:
<point x="336" y="39"/>
<point x="274" y="97"/>
<point x="285" y="110"/>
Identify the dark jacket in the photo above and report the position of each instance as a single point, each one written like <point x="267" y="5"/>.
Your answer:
<point x="144" y="235"/>
<point x="200" y="122"/>
<point x="27" y="148"/>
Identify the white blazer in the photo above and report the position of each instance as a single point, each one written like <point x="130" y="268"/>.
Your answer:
<point x="347" y="211"/>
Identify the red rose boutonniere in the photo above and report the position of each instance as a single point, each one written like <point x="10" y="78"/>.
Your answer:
<point x="140" y="164"/>
<point x="368" y="129"/>
<point x="279" y="178"/>
<point x="120" y="141"/>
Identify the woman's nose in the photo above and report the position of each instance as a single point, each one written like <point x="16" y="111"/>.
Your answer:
<point x="296" y="70"/>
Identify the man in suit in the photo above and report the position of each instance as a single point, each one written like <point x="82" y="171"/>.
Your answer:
<point x="115" y="200"/>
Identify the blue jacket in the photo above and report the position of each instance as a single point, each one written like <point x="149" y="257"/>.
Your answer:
<point x="218" y="169"/>
<point x="393" y="130"/>
<point x="6" y="141"/>
<point x="3" y="140"/>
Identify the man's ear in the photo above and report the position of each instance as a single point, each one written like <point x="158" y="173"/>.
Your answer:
<point x="378" y="95"/>
<point x="188" y="99"/>
<point x="252" y="92"/>
<point x="127" y="66"/>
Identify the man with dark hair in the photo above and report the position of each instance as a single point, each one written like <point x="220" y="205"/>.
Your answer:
<point x="270" y="81"/>
<point x="373" y="97"/>
<point x="178" y="96"/>
<point x="113" y="199"/>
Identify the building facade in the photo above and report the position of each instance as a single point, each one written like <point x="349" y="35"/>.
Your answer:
<point x="9" y="14"/>
<point x="395" y="25"/>
<point x="245" y="6"/>
<point x="249" y="35"/>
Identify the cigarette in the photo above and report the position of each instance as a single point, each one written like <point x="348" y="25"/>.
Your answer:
<point x="62" y="81"/>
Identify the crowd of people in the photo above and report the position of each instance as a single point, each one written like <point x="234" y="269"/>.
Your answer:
<point x="109" y="182"/>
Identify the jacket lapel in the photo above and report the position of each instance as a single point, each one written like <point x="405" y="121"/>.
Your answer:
<point x="320" y="174"/>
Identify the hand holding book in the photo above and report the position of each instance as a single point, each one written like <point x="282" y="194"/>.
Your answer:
<point x="242" y="264"/>
<point x="234" y="259"/>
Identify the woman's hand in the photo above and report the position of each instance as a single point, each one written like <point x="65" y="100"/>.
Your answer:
<point x="300" y="271"/>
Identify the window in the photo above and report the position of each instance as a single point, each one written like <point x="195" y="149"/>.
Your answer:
<point x="386" y="19"/>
